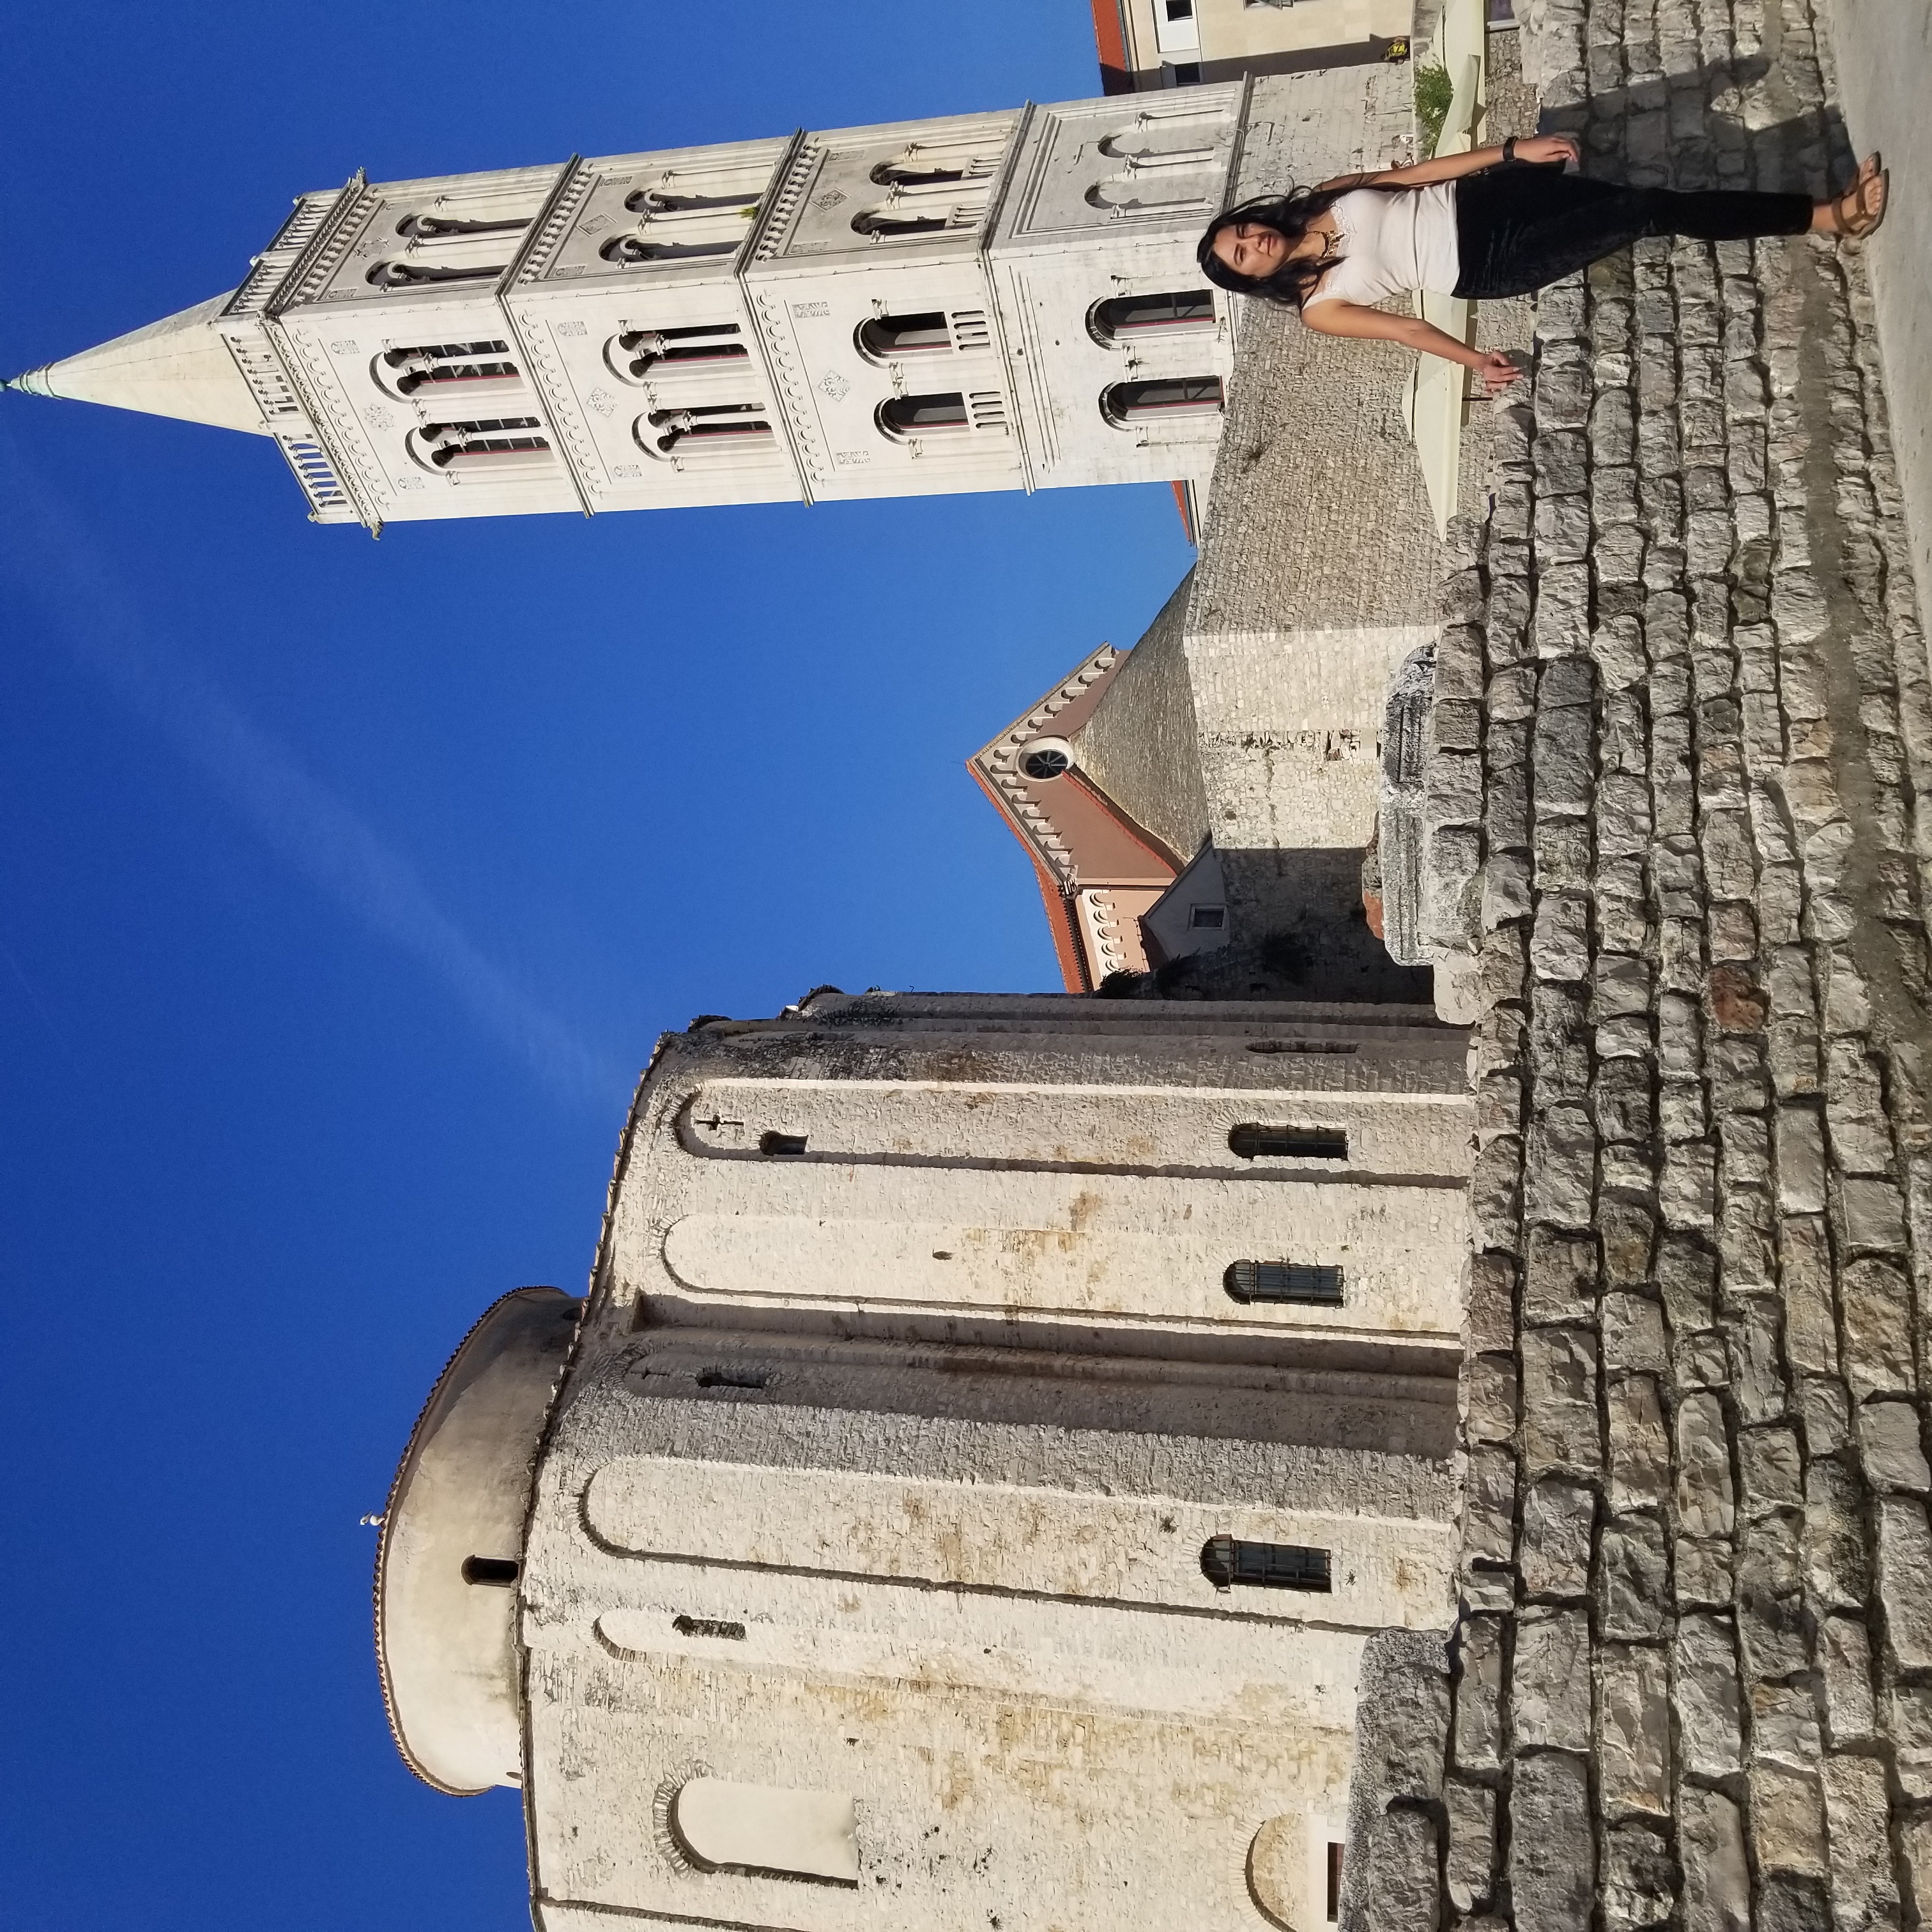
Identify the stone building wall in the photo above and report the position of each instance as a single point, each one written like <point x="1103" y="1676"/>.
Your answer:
<point x="920" y="1535"/>
<point x="1681" y="741"/>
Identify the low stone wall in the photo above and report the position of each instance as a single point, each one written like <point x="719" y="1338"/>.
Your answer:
<point x="1681" y="741"/>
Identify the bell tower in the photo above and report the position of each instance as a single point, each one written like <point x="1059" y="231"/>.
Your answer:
<point x="998" y="301"/>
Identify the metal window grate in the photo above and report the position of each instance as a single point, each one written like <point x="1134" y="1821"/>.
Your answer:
<point x="1227" y="1561"/>
<point x="1251" y="1142"/>
<point x="1308" y="1286"/>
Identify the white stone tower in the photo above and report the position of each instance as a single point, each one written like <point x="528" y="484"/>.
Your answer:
<point x="989" y="302"/>
<point x="995" y="1427"/>
<point x="1004" y="301"/>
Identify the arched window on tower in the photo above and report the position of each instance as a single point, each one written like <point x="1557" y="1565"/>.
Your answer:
<point x="716" y="428"/>
<point x="436" y="224"/>
<point x="887" y="338"/>
<point x="926" y="164"/>
<point x="433" y="371"/>
<point x="499" y="445"/>
<point x="641" y="352"/>
<point x="904" y="417"/>
<point x="1123" y="319"/>
<point x="404" y="272"/>
<point x="1134" y="405"/>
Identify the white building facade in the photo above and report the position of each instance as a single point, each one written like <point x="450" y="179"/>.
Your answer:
<point x="1000" y="301"/>
<point x="994" y="1429"/>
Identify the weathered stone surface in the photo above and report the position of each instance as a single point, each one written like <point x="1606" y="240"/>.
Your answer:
<point x="1549" y="1683"/>
<point x="1561" y="1427"/>
<point x="1705" y="1505"/>
<point x="1558" y="1517"/>
<point x="1905" y="1580"/>
<point x="1704" y="1691"/>
<point x="1864" y="1892"/>
<point x="1479" y="1694"/>
<point x="1890" y="1448"/>
<point x="1639" y="1884"/>
<point x="1553" y="1864"/>
<point x="1632" y="1729"/>
<point x="1717" y="1876"/>
<point x="1844" y="1656"/>
<point x="1787" y="1816"/>
<point x="1468" y="1868"/>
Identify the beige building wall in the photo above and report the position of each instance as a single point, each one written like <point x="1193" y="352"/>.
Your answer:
<point x="864" y="1580"/>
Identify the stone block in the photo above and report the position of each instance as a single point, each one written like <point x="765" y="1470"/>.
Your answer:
<point x="1717" y="1874"/>
<point x="1706" y="1502"/>
<point x="1706" y="1693"/>
<point x="1800" y="1160"/>
<point x="1876" y="1299"/>
<point x="1553" y="1864"/>
<point x="1844" y="1661"/>
<point x="1633" y="1730"/>
<point x="1891" y="1449"/>
<point x="1470" y="1866"/>
<point x="1561" y="1426"/>
<point x="1490" y="1410"/>
<point x="1632" y="1327"/>
<point x="1490" y="1300"/>
<point x="1784" y="1726"/>
<point x="1864" y="1891"/>
<point x="1771" y="1467"/>
<point x="1553" y="1554"/>
<point x="1810" y="1322"/>
<point x="1479" y="1694"/>
<point x="1787" y="1820"/>
<point x="1489" y="1505"/>
<point x="1771" y="1627"/>
<point x="1640" y="1446"/>
<point x="1633" y="1593"/>
<point x="1560" y="1277"/>
<point x="1687" y="1273"/>
<point x="1549" y="1682"/>
<point x="1905" y="1580"/>
<point x="1759" y="1384"/>
<point x="1705" y="1572"/>
<point x="1836" y="1564"/>
<point x="1639" y="1878"/>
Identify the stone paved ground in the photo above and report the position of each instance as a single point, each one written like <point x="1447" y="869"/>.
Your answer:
<point x="1678" y="804"/>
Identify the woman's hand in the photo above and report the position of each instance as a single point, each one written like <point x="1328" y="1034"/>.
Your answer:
<point x="1497" y="370"/>
<point x="1548" y="148"/>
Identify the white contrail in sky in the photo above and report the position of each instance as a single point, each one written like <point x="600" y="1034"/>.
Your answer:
<point x="295" y="814"/>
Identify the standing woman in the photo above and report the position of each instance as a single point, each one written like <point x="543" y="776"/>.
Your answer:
<point x="1483" y="226"/>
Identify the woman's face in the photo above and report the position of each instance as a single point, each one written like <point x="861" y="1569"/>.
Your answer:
<point x="1250" y="248"/>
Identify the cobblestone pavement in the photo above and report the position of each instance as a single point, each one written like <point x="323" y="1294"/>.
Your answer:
<point x="1681" y="739"/>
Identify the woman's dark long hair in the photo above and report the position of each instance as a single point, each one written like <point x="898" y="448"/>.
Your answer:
<point x="1289" y="215"/>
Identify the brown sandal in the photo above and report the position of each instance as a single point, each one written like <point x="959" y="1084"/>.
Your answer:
<point x="1852" y="218"/>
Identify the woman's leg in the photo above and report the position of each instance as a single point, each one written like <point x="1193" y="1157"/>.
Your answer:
<point x="1518" y="229"/>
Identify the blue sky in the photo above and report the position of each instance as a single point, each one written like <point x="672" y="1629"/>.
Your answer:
<point x="345" y="886"/>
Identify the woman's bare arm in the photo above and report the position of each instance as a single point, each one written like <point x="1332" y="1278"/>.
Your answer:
<point x="1347" y="318"/>
<point x="1453" y="167"/>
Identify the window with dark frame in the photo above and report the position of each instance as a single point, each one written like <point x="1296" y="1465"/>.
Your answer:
<point x="500" y="1572"/>
<point x="1253" y="1143"/>
<point x="1229" y="1562"/>
<point x="782" y="1145"/>
<point x="1298" y="1283"/>
<point x="1333" y="1908"/>
<point x="1207" y="918"/>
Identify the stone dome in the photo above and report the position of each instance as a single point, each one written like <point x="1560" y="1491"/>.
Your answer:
<point x="447" y="1571"/>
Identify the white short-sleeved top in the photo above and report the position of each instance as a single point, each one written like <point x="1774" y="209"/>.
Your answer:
<point x="1391" y="243"/>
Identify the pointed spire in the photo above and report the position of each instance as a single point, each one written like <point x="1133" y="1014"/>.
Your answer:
<point x="177" y="367"/>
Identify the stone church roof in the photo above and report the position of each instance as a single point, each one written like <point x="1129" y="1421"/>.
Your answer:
<point x="1141" y="745"/>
